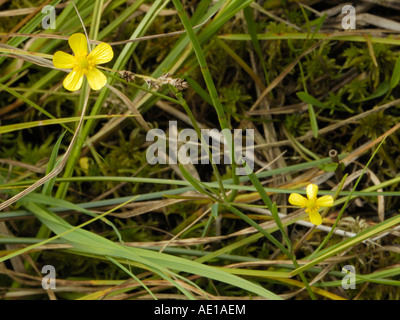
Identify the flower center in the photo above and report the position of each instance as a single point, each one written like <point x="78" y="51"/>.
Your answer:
<point x="83" y="63"/>
<point x="312" y="205"/>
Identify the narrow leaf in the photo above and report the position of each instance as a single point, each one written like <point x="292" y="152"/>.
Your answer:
<point x="394" y="81"/>
<point x="305" y="97"/>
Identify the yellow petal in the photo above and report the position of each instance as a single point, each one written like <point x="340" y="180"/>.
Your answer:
<point x="62" y="60"/>
<point x="78" y="44"/>
<point x="325" y="201"/>
<point x="73" y="81"/>
<point x="312" y="190"/>
<point x="315" y="217"/>
<point x="96" y="79"/>
<point x="297" y="200"/>
<point x="84" y="163"/>
<point x="103" y="53"/>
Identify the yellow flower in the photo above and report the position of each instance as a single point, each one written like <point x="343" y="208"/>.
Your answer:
<point x="82" y="63"/>
<point x="312" y="204"/>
